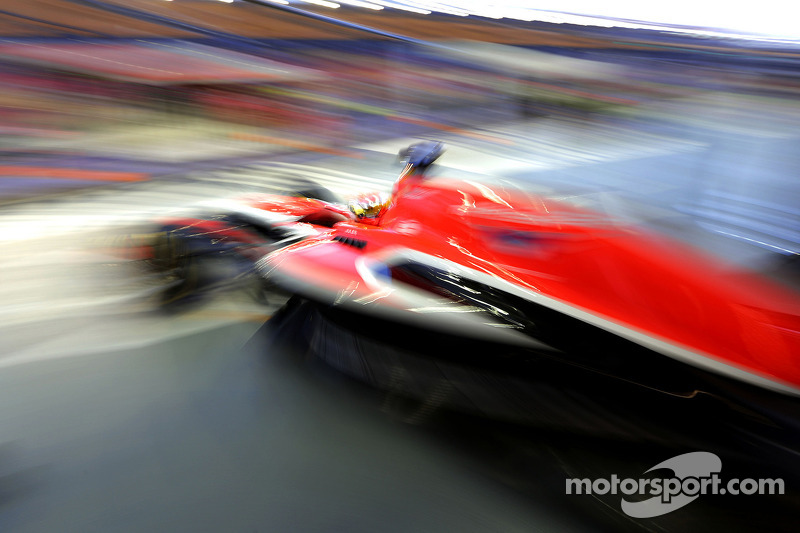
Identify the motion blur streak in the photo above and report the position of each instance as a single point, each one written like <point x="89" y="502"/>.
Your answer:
<point x="139" y="393"/>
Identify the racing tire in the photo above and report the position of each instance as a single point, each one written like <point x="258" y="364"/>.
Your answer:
<point x="310" y="189"/>
<point x="182" y="271"/>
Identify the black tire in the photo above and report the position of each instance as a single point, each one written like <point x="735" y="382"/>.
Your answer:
<point x="163" y="259"/>
<point x="182" y="271"/>
<point x="310" y="189"/>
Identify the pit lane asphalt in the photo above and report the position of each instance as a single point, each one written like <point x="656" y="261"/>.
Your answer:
<point x="212" y="432"/>
<point x="218" y="428"/>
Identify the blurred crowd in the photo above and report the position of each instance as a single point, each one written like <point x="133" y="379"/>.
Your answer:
<point x="362" y="91"/>
<point x="352" y="86"/>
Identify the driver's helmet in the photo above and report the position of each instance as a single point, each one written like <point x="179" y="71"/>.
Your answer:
<point x="368" y="205"/>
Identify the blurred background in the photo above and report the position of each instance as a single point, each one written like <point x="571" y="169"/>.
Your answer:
<point x="115" y="113"/>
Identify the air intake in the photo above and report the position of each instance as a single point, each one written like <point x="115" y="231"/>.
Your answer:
<point x="349" y="241"/>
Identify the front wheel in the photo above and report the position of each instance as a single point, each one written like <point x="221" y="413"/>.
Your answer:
<point x="310" y="189"/>
<point x="182" y="270"/>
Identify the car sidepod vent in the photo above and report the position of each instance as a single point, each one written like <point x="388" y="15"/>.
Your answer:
<point x="349" y="241"/>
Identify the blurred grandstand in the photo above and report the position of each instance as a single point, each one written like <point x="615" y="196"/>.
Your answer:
<point x="161" y="83"/>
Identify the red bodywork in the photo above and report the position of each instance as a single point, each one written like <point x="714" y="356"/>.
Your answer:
<point x="655" y="291"/>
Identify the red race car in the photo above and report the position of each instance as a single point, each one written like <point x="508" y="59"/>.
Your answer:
<point x="487" y="298"/>
<point x="493" y="300"/>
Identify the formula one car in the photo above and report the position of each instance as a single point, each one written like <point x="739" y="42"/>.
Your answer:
<point x="488" y="299"/>
<point x="526" y="308"/>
